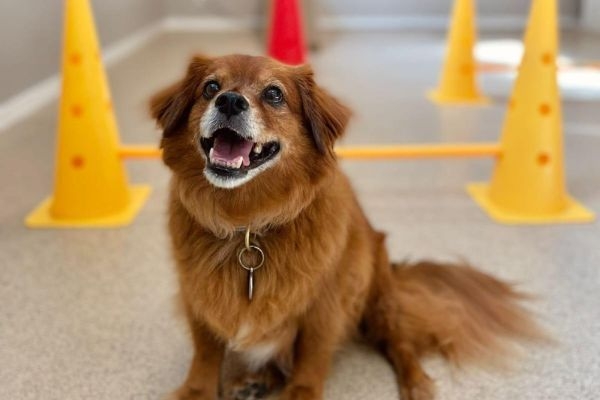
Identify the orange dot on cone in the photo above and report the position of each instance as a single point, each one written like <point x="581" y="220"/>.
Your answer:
<point x="75" y="58"/>
<point x="77" y="161"/>
<point x="547" y="58"/>
<point x="466" y="69"/>
<point x="77" y="110"/>
<point x="545" y="109"/>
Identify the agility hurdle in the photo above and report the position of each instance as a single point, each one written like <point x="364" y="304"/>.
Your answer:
<point x="364" y="152"/>
<point x="527" y="186"/>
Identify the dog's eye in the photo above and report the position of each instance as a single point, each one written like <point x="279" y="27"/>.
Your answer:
<point x="273" y="95"/>
<point x="211" y="89"/>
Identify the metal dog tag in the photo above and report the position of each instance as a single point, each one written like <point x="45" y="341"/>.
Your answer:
<point x="261" y="257"/>
<point x="250" y="284"/>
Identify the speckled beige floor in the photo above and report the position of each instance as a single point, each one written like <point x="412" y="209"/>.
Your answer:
<point x="88" y="314"/>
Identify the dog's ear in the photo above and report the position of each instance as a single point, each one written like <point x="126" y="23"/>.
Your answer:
<point x="171" y="106"/>
<point x="324" y="116"/>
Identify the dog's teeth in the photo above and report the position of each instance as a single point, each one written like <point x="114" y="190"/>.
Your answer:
<point x="237" y="163"/>
<point x="257" y="148"/>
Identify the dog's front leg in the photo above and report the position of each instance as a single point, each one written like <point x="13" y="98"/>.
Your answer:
<point x="203" y="377"/>
<point x="317" y="340"/>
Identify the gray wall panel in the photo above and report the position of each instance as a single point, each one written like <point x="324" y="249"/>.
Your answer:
<point x="591" y="15"/>
<point x="361" y="7"/>
<point x="31" y="32"/>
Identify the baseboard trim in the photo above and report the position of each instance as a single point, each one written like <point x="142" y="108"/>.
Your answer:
<point x="32" y="99"/>
<point x="209" y="24"/>
<point x="353" y="23"/>
<point x="423" y="22"/>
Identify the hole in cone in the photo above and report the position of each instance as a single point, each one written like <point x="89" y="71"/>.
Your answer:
<point x="75" y="58"/>
<point x="77" y="110"/>
<point x="545" y="109"/>
<point x="547" y="58"/>
<point x="77" y="162"/>
<point x="466" y="69"/>
<point x="543" y="158"/>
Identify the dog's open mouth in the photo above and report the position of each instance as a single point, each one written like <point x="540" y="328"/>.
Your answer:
<point x="231" y="154"/>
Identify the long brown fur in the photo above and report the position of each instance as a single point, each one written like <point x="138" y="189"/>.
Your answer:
<point x="326" y="273"/>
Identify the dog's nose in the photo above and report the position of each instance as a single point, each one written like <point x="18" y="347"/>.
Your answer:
<point x="231" y="103"/>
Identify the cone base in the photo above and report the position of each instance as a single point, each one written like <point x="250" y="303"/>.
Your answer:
<point x="573" y="213"/>
<point x="437" y="97"/>
<point x="41" y="217"/>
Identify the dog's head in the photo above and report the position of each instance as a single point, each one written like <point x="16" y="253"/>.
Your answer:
<point x="242" y="119"/>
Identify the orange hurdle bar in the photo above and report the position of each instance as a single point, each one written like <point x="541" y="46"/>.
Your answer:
<point x="366" y="152"/>
<point x="502" y="68"/>
<point x="139" y="152"/>
<point x="420" y="151"/>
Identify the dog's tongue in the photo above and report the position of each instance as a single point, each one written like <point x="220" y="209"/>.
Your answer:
<point x="229" y="150"/>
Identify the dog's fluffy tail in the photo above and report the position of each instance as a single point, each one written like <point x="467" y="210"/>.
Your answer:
<point x="464" y="314"/>
<point x="449" y="309"/>
<point x="454" y="310"/>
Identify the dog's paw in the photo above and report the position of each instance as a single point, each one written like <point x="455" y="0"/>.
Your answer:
<point x="241" y="384"/>
<point x="249" y="389"/>
<point x="300" y="392"/>
<point x="188" y="393"/>
<point x="422" y="389"/>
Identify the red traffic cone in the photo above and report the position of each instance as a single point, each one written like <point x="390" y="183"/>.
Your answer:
<point x="286" y="36"/>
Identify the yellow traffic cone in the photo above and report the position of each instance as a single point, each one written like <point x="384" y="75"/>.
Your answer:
<point x="528" y="183"/>
<point x="458" y="84"/>
<point x="91" y="187"/>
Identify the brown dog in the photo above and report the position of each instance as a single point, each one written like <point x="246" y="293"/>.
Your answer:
<point x="250" y="143"/>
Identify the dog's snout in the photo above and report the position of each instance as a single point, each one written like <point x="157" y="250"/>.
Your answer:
<point x="231" y="103"/>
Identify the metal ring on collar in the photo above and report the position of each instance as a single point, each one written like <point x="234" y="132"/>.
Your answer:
<point x="250" y="248"/>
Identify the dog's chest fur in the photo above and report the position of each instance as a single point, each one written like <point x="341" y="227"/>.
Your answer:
<point x="215" y="286"/>
<point x="320" y="263"/>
